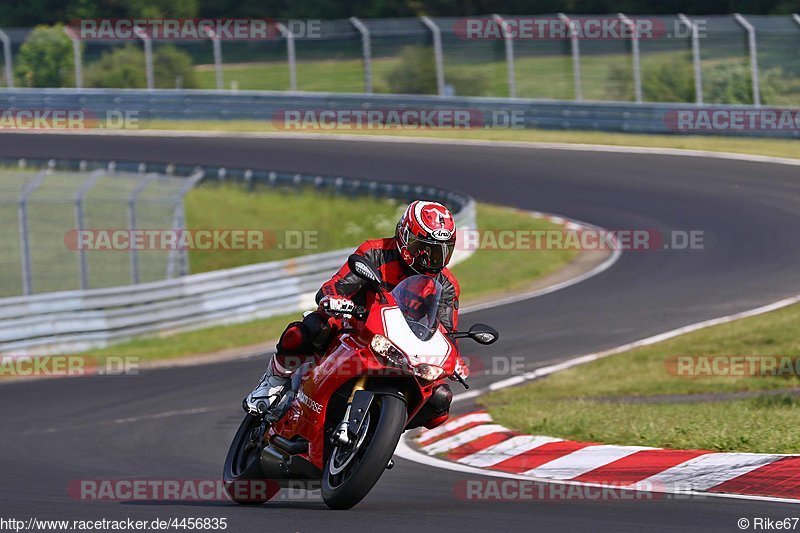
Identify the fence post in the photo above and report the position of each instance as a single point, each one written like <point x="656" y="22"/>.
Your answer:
<point x="7" y="59"/>
<point x="79" y="196"/>
<point x="637" y="65"/>
<point x="290" y="55"/>
<point x="216" y="43"/>
<point x="576" y="56"/>
<point x="698" y="71"/>
<point x="437" y="52"/>
<point x="509" y="42"/>
<point x="77" y="56"/>
<point x="148" y="55"/>
<point x="796" y="18"/>
<point x="751" y="46"/>
<point x="179" y="223"/>
<point x="132" y="223"/>
<point x="367" y="51"/>
<point x="22" y="218"/>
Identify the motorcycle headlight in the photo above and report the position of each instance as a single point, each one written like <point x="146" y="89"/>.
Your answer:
<point x="428" y="372"/>
<point x="384" y="347"/>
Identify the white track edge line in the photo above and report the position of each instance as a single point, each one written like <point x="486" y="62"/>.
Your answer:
<point x="580" y="147"/>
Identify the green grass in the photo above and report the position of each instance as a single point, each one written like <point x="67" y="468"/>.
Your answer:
<point x="493" y="271"/>
<point x="199" y="341"/>
<point x="757" y="425"/>
<point x="335" y="221"/>
<point x="579" y="403"/>
<point x="509" y="269"/>
<point x="51" y="214"/>
<point x="606" y="72"/>
<point x="537" y="77"/>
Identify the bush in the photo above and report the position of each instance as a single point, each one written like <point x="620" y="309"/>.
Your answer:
<point x="723" y="83"/>
<point x="416" y="74"/>
<point x="45" y="59"/>
<point x="671" y="81"/>
<point x="125" y="68"/>
<point x="728" y="83"/>
<point x="169" y="62"/>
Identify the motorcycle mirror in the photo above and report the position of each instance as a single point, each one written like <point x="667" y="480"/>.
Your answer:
<point x="483" y="334"/>
<point x="365" y="270"/>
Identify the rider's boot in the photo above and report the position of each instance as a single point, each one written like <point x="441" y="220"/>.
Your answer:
<point x="268" y="391"/>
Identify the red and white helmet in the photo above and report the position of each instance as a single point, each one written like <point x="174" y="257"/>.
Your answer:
<point x="426" y="236"/>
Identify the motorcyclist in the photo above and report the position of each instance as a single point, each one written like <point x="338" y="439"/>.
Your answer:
<point x="423" y="243"/>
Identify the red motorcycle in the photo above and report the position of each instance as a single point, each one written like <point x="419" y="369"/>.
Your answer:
<point x="339" y="421"/>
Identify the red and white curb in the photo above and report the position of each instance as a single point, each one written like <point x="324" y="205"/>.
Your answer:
<point x="474" y="441"/>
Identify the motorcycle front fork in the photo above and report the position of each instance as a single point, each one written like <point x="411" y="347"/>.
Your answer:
<point x="341" y="436"/>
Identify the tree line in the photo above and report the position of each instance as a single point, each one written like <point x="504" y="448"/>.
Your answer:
<point x="33" y="12"/>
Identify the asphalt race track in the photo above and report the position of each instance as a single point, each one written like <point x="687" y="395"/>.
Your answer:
<point x="177" y="423"/>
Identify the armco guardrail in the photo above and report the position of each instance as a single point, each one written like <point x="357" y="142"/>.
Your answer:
<point x="76" y="320"/>
<point x="483" y="112"/>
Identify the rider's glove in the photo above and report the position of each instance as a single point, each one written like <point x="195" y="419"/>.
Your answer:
<point x="461" y="368"/>
<point x="337" y="305"/>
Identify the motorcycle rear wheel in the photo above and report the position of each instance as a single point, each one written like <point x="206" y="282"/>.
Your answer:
<point x="351" y="472"/>
<point x="242" y="475"/>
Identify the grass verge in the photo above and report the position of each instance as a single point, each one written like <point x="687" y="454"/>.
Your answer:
<point x="295" y="222"/>
<point x="509" y="272"/>
<point x="712" y="143"/>
<point x="611" y="400"/>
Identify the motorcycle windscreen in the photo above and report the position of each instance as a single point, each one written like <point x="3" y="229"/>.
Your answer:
<point x="418" y="299"/>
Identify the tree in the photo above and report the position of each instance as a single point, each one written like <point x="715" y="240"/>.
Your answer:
<point x="45" y="59"/>
<point x="124" y="68"/>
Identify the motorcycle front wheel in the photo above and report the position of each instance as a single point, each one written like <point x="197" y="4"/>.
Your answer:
<point x="351" y="471"/>
<point x="242" y="475"/>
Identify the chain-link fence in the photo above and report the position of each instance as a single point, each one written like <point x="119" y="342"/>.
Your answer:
<point x="726" y="59"/>
<point x="52" y="221"/>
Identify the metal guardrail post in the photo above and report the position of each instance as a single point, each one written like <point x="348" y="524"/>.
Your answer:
<point x="22" y="218"/>
<point x="509" y="42"/>
<point x="290" y="55"/>
<point x="77" y="56"/>
<point x="216" y="43"/>
<point x="796" y="18"/>
<point x="148" y="55"/>
<point x="438" y="56"/>
<point x="134" y="197"/>
<point x="366" y="47"/>
<point x="7" y="59"/>
<point x="751" y="46"/>
<point x="698" y="71"/>
<point x="637" y="64"/>
<point x="79" y="196"/>
<point x="575" y="46"/>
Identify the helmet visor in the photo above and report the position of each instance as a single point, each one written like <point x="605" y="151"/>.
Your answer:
<point x="429" y="255"/>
